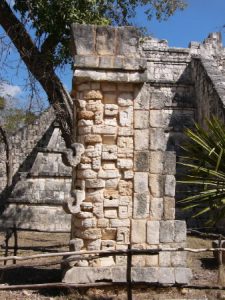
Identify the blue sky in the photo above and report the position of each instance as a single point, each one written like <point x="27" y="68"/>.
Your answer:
<point x="193" y="24"/>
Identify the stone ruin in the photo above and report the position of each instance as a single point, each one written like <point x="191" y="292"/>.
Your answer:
<point x="133" y="97"/>
<point x="41" y="181"/>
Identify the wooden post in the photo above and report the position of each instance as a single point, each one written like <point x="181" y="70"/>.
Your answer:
<point x="15" y="243"/>
<point x="221" y="277"/>
<point x="129" y="283"/>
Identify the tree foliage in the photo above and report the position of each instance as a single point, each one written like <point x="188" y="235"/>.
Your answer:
<point x="204" y="162"/>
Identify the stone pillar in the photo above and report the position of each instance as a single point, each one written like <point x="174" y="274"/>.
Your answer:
<point x="124" y="184"/>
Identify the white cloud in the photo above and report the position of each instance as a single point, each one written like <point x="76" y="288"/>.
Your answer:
<point x="8" y="90"/>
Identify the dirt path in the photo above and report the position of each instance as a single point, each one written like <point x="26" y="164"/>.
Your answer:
<point x="203" y="265"/>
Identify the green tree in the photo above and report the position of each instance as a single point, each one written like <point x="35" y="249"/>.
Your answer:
<point x="204" y="162"/>
<point x="49" y="23"/>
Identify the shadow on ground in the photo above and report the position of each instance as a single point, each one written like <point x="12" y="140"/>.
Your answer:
<point x="27" y="275"/>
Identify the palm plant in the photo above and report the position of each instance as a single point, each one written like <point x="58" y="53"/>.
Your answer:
<point x="204" y="162"/>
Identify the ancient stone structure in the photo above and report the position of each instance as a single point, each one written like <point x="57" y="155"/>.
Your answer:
<point x="132" y="99"/>
<point x="41" y="181"/>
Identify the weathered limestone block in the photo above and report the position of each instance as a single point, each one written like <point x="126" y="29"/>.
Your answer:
<point x="123" y="236"/>
<point x="111" y="110"/>
<point x="107" y="174"/>
<point x="93" y="95"/>
<point x="138" y="260"/>
<point x="165" y="259"/>
<point x="110" y="98"/>
<point x="125" y="99"/>
<point x="110" y="122"/>
<point x="125" y="188"/>
<point x="102" y="223"/>
<point x="141" y="205"/>
<point x="86" y="115"/>
<point x="128" y="174"/>
<point x="84" y="130"/>
<point x="111" y="203"/>
<point x="109" y="233"/>
<point x="157" y="119"/>
<point x="76" y="244"/>
<point x="157" y="139"/>
<point x="105" y="40"/>
<point x="104" y="129"/>
<point x="138" y="231"/>
<point x="166" y="234"/>
<point x="125" y="163"/>
<point x="156" y="184"/>
<point x="96" y="163"/>
<point x="169" y="208"/>
<point x="142" y="98"/>
<point x="94" y="183"/>
<point x="152" y="260"/>
<point x="120" y="223"/>
<point x="98" y="210"/>
<point x="126" y="116"/>
<point x="180" y="231"/>
<point x="93" y="245"/>
<point x="153" y="232"/>
<point x="140" y="182"/>
<point x="141" y="139"/>
<point x="141" y="161"/>
<point x="108" y="245"/>
<point x="125" y="200"/>
<point x="125" y="131"/>
<point x="178" y="259"/>
<point x="95" y="196"/>
<point x="183" y="275"/>
<point x="170" y="163"/>
<point x="84" y="223"/>
<point x="110" y="213"/>
<point x="86" y="174"/>
<point x="156" y="162"/>
<point x="125" y="143"/>
<point x="124" y="212"/>
<point x="170" y="185"/>
<point x="88" y="234"/>
<point x="94" y="106"/>
<point x="146" y="274"/>
<point x="84" y="123"/>
<point x="166" y="275"/>
<point x="87" y="275"/>
<point x="156" y="208"/>
<point x="93" y="151"/>
<point x="141" y="119"/>
<point x="109" y="152"/>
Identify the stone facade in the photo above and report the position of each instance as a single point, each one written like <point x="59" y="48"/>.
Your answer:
<point x="41" y="181"/>
<point x="133" y="97"/>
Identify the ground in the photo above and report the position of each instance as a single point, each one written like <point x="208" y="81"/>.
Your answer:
<point x="204" y="266"/>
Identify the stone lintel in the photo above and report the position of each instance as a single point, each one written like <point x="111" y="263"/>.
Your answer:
<point x="110" y="62"/>
<point x="121" y="77"/>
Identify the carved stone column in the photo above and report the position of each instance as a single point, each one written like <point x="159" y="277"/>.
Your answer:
<point x="123" y="190"/>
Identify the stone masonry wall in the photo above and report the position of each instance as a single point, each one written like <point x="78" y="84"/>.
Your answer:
<point x="127" y="96"/>
<point x="41" y="180"/>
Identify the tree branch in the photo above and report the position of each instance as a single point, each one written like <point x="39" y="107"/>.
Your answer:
<point x="8" y="162"/>
<point x="41" y="67"/>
